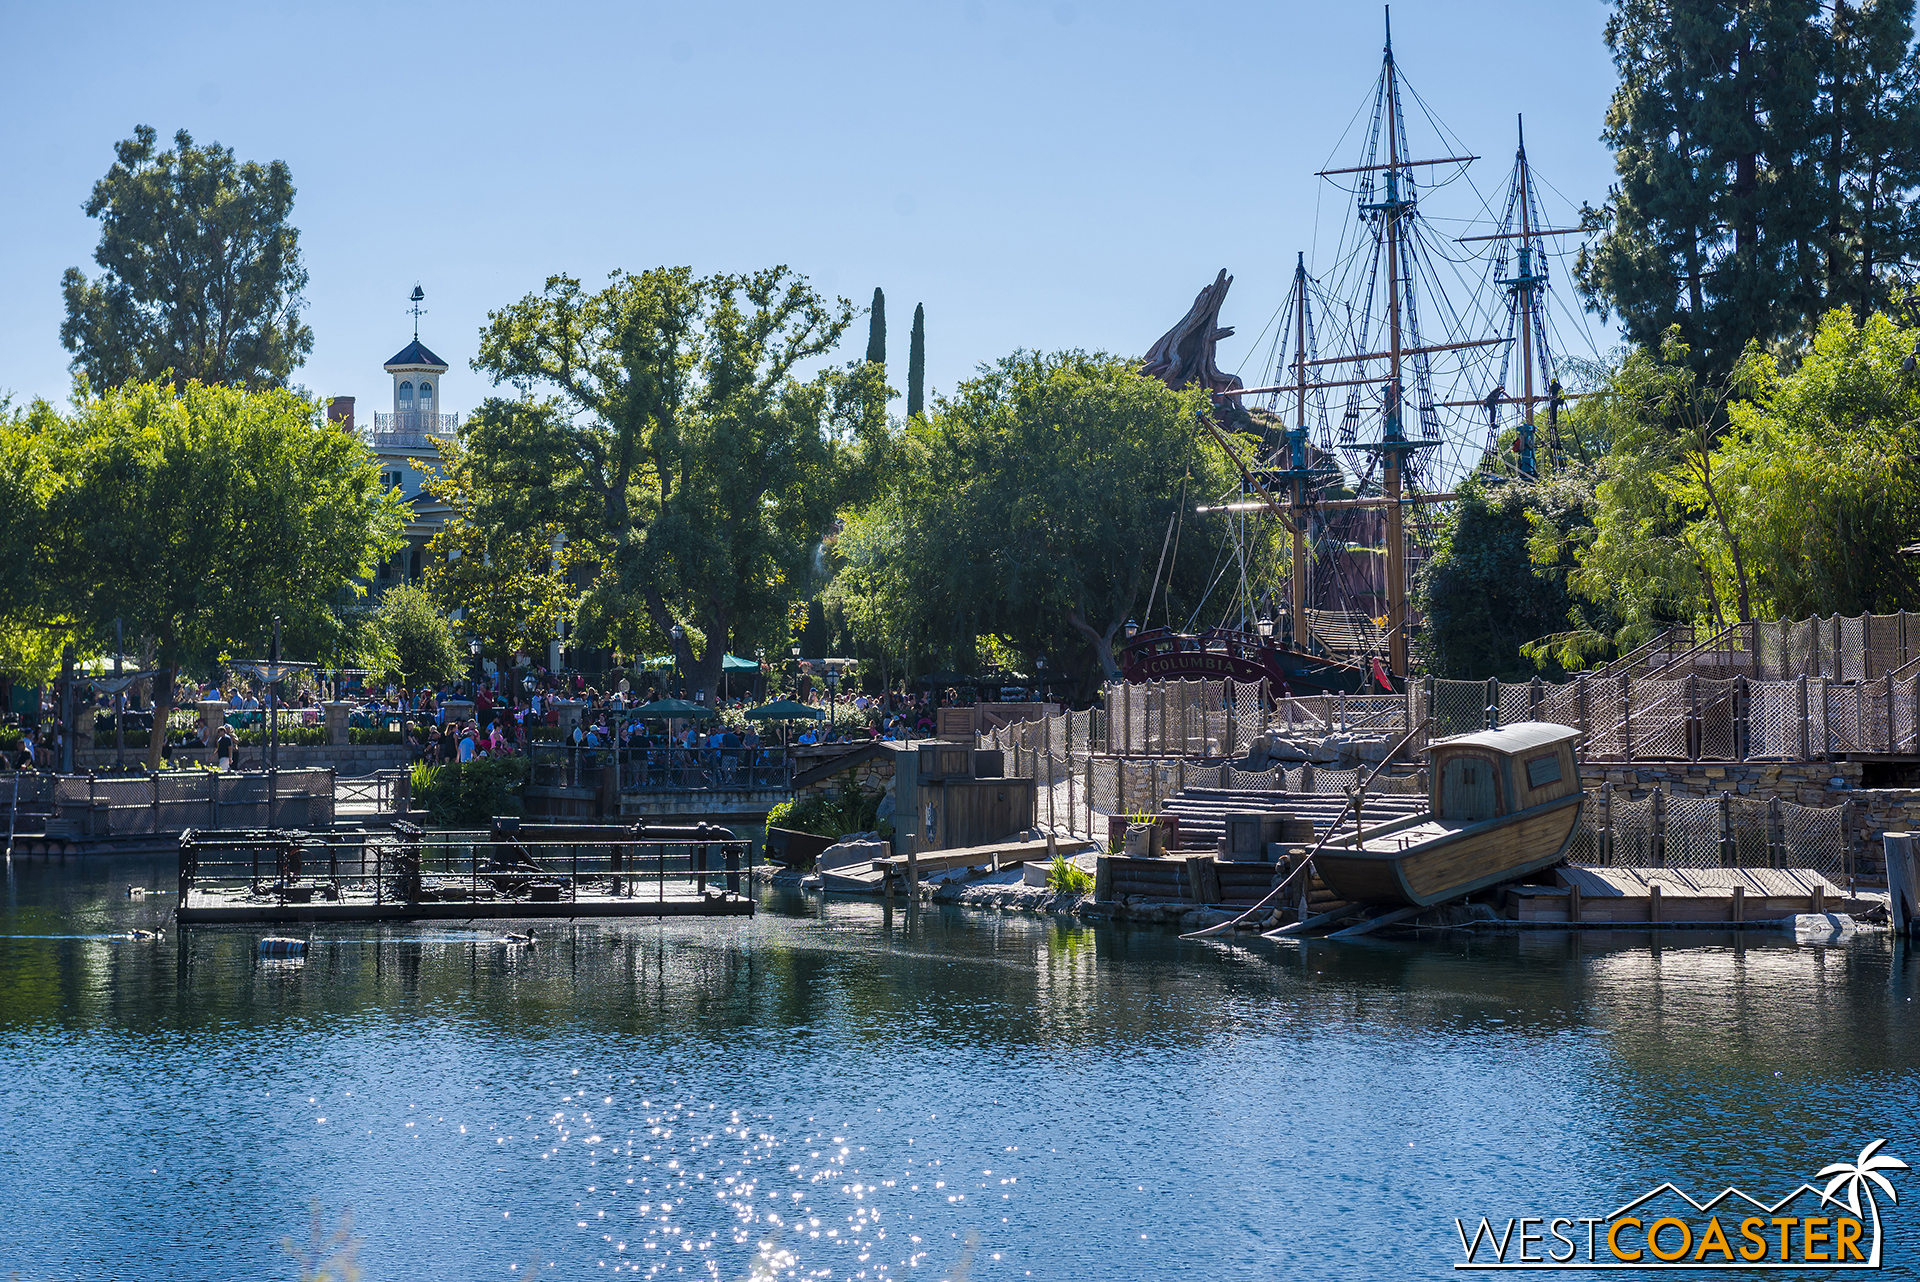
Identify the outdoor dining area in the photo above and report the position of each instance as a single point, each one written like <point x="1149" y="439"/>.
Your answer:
<point x="673" y="745"/>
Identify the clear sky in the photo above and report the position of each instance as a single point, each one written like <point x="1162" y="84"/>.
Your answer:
<point x="1038" y="173"/>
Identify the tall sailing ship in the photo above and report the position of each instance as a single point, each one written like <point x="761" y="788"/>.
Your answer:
<point x="1426" y="391"/>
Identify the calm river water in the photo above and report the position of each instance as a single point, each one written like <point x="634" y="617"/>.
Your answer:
<point x="845" y="1092"/>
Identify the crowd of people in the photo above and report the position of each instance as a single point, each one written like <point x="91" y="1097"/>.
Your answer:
<point x="513" y="715"/>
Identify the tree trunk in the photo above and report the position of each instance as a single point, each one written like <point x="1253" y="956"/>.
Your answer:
<point x="162" y="705"/>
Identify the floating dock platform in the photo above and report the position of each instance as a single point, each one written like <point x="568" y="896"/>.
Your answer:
<point x="511" y="872"/>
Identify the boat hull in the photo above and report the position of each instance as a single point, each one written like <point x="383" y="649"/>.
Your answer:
<point x="1455" y="863"/>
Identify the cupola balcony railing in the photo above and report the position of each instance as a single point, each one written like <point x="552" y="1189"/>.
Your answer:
<point x="415" y="429"/>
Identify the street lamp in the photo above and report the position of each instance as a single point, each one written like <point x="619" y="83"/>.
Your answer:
<point x="1265" y="625"/>
<point x="1133" y="629"/>
<point x="833" y="686"/>
<point x="1040" y="673"/>
<point x="678" y="634"/>
<point x="473" y="648"/>
<point x="796" y="672"/>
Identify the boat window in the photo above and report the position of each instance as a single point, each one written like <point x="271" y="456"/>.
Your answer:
<point x="1542" y="771"/>
<point x="1468" y="793"/>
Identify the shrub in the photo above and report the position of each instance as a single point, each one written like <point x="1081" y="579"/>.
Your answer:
<point x="374" y="736"/>
<point x="1070" y="877"/>
<point x="827" y="814"/>
<point x="470" y="796"/>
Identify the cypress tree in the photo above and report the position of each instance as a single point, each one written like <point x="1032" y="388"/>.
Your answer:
<point x="877" y="329"/>
<point x="917" y="363"/>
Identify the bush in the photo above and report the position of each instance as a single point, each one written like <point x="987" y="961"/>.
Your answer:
<point x="374" y="736"/>
<point x="470" y="796"/>
<point x="290" y="736"/>
<point x="1070" y="877"/>
<point x="831" y="814"/>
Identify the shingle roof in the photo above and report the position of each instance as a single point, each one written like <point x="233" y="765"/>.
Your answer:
<point x="416" y="353"/>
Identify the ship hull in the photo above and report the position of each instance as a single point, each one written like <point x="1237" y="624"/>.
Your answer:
<point x="1445" y="865"/>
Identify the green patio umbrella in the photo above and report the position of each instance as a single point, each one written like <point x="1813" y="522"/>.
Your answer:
<point x="785" y="710"/>
<point x="675" y="708"/>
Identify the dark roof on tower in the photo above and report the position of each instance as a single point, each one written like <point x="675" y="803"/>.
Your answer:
<point x="416" y="353"/>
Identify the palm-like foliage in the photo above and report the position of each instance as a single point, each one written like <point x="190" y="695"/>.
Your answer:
<point x="1855" y="1175"/>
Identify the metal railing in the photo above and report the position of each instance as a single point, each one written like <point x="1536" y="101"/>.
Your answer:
<point x="171" y="801"/>
<point x="412" y="865"/>
<point x="643" y="768"/>
<point x="410" y="429"/>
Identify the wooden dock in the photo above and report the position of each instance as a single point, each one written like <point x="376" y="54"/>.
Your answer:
<point x="1583" y="896"/>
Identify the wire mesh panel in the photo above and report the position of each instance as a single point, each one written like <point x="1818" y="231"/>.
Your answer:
<point x="1607" y="718"/>
<point x="1459" y="707"/>
<point x="1273" y="780"/>
<point x="1719" y="717"/>
<point x="1692" y="832"/>
<point x="1882" y="644"/>
<point x="1876" y="714"/>
<point x="1401" y="785"/>
<point x="1747" y="826"/>
<point x="1632" y="831"/>
<point x="1589" y="839"/>
<point x="1516" y="702"/>
<point x="1296" y="779"/>
<point x="1903" y="715"/>
<point x="1803" y="649"/>
<point x="1814" y="837"/>
<point x="1773" y="720"/>
<point x="1769" y="651"/>
<point x="1382" y="712"/>
<point x="1103" y="785"/>
<point x="1659" y="727"/>
<point x="1852" y="657"/>
<point x="1559" y="704"/>
<point x="1844" y="732"/>
<point x="1334" y="780"/>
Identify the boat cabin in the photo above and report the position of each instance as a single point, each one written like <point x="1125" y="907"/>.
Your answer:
<point x="1476" y="777"/>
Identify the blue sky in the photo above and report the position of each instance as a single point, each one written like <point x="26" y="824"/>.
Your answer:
<point x="1040" y="174"/>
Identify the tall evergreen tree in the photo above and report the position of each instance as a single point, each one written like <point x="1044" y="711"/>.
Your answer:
<point x="1766" y="153"/>
<point x="877" y="329"/>
<point x="917" y="363"/>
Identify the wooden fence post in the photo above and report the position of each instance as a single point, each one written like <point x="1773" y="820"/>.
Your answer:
<point x="1693" y="716"/>
<point x="1580" y="701"/>
<point x="1742" y="718"/>
<point x="1492" y="715"/>
<point x="1903" y="885"/>
<point x="1846" y="842"/>
<point x="1658" y="839"/>
<point x="1626" y="717"/>
<point x="1727" y="855"/>
<point x="1534" y="698"/>
<point x="1776" y="834"/>
<point x="1800" y="696"/>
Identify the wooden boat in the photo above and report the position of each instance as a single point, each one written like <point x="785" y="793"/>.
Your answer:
<point x="1503" y="804"/>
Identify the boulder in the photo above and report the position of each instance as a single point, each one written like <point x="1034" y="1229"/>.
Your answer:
<point x="852" y="854"/>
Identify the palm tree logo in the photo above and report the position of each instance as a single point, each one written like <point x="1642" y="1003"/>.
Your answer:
<point x="1863" y="1174"/>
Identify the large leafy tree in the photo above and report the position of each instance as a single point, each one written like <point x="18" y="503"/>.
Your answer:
<point x="1768" y="154"/>
<point x="200" y="270"/>
<point x="1029" y="507"/>
<point x="679" y="445"/>
<point x="510" y="583"/>
<point x="197" y="515"/>
<point x="416" y="637"/>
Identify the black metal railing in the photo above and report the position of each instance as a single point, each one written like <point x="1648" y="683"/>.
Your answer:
<point x="551" y="863"/>
<point x="642" y="768"/>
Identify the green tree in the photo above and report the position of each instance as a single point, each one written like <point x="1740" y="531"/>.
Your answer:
<point x="201" y="274"/>
<point x="418" y="637"/>
<point x="1768" y="155"/>
<point x="917" y="364"/>
<point x="511" y="584"/>
<point x="198" y="514"/>
<point x="1825" y="464"/>
<point x="1485" y="602"/>
<point x="877" y="329"/>
<point x="1020" y="507"/>
<point x="679" y="448"/>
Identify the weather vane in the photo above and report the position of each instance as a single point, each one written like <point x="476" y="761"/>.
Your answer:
<point x="415" y="297"/>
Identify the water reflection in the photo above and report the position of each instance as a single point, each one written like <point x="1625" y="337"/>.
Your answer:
<point x="842" y="1087"/>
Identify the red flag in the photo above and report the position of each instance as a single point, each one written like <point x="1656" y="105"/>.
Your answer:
<point x="1380" y="675"/>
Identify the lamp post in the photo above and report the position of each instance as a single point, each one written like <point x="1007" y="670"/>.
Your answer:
<point x="833" y="687"/>
<point x="678" y="634"/>
<point x="1040" y="674"/>
<point x="473" y="648"/>
<point x="796" y="672"/>
<point x="760" y="657"/>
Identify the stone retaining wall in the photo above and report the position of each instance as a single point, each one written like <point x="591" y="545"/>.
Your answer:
<point x="872" y="777"/>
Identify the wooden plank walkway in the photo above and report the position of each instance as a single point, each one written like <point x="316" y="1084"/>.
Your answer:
<point x="214" y="908"/>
